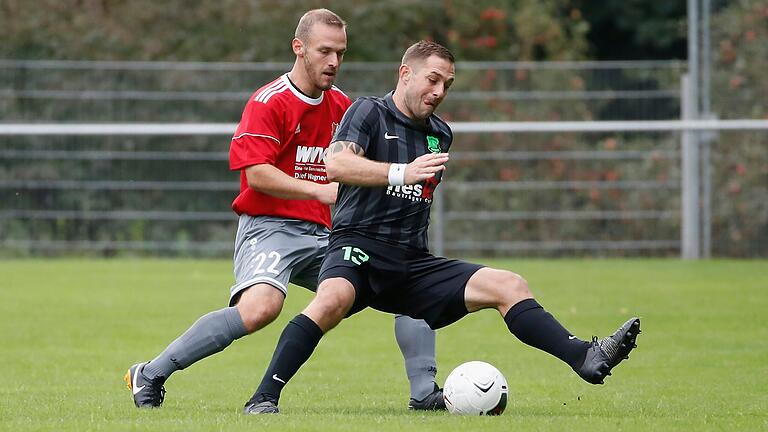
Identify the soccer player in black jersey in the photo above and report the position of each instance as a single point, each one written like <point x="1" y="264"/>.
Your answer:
<point x="389" y="155"/>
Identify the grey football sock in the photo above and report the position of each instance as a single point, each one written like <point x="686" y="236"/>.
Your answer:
<point x="208" y="335"/>
<point x="417" y="343"/>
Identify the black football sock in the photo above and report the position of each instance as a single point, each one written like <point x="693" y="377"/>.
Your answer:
<point x="296" y="344"/>
<point x="538" y="328"/>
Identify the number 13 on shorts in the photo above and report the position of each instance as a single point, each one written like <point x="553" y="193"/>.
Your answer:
<point x="355" y="255"/>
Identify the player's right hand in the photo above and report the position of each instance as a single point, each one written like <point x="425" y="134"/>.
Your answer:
<point x="424" y="167"/>
<point x="326" y="193"/>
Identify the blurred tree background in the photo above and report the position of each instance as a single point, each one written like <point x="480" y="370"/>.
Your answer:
<point x="260" y="30"/>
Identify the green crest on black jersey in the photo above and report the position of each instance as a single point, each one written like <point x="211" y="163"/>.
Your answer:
<point x="433" y="144"/>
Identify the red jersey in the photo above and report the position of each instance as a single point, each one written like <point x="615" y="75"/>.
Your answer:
<point x="283" y="127"/>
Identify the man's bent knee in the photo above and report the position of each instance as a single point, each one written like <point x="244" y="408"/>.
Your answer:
<point x="259" y="305"/>
<point x="333" y="300"/>
<point x="517" y="286"/>
<point x="515" y="290"/>
<point x="499" y="289"/>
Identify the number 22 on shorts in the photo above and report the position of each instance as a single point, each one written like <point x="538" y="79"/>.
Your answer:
<point x="355" y="255"/>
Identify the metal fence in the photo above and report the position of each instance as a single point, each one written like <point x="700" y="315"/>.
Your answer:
<point x="97" y="91"/>
<point x="551" y="189"/>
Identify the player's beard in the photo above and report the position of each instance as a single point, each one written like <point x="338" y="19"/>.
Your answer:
<point x="319" y="80"/>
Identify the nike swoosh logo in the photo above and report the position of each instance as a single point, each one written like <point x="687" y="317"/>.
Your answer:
<point x="134" y="388"/>
<point x="277" y="378"/>
<point x="484" y="389"/>
<point x="388" y="136"/>
<point x="571" y="337"/>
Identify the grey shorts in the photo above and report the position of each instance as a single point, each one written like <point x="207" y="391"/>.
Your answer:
<point x="277" y="251"/>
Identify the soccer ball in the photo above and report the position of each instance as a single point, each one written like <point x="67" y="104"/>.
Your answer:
<point x="475" y="388"/>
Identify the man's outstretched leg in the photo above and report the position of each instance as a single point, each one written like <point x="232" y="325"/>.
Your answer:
<point x="258" y="306"/>
<point x="208" y="335"/>
<point x="534" y="326"/>
<point x="417" y="344"/>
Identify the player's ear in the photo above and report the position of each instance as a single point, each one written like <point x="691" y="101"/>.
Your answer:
<point x="298" y="47"/>
<point x="405" y="73"/>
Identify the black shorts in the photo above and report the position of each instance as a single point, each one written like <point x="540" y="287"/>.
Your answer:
<point x="396" y="279"/>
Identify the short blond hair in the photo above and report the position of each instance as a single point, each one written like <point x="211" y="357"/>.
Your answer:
<point x="315" y="16"/>
<point x="423" y="49"/>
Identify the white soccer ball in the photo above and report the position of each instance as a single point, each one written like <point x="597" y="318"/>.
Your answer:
<point x="475" y="388"/>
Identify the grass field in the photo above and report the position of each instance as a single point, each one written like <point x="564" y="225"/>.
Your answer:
<point x="69" y="329"/>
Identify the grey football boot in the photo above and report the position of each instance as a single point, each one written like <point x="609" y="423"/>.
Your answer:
<point x="264" y="407"/>
<point x="604" y="354"/>
<point x="432" y="402"/>
<point x="147" y="393"/>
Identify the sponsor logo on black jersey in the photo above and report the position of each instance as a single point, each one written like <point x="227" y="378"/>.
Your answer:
<point x="415" y="193"/>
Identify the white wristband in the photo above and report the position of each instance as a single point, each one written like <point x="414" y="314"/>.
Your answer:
<point x="396" y="175"/>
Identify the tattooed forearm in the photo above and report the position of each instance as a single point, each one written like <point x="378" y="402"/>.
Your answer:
<point x="340" y="146"/>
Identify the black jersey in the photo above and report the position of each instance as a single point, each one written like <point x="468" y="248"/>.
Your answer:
<point x="395" y="214"/>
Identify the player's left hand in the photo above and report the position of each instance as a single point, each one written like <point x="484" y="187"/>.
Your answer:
<point x="425" y="167"/>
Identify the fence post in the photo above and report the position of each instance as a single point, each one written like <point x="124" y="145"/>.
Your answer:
<point x="690" y="226"/>
<point x="705" y="140"/>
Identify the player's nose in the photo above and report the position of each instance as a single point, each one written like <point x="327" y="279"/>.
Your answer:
<point x="333" y="62"/>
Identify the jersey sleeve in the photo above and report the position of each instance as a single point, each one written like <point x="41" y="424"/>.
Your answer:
<point x="446" y="131"/>
<point x="358" y="123"/>
<point x="257" y="139"/>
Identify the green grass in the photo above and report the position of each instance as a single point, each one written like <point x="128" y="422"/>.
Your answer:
<point x="69" y="329"/>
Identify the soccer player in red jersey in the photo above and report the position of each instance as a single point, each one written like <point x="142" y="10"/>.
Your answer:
<point x="284" y="216"/>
